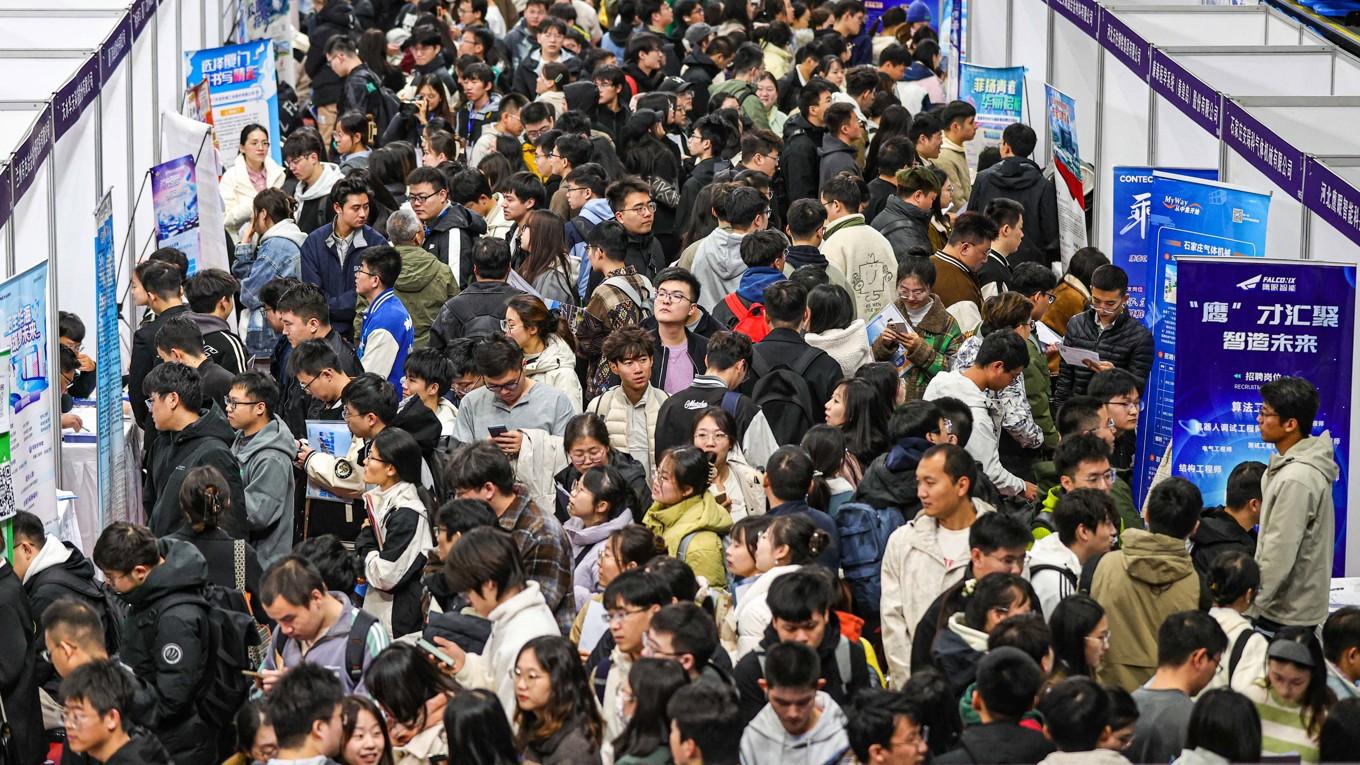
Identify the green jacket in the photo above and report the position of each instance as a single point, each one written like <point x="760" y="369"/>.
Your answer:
<point x="942" y="340"/>
<point x="424" y="286"/>
<point x="750" y="104"/>
<point x="1037" y="386"/>
<point x="708" y="521"/>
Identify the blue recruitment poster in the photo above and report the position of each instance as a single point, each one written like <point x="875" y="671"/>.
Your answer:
<point x="998" y="95"/>
<point x="244" y="91"/>
<point x="174" y="196"/>
<point x="31" y="403"/>
<point x="108" y="371"/>
<point x="1062" y="125"/>
<point x="1189" y="217"/>
<point x="327" y="437"/>
<point x="1246" y="323"/>
<point x="1132" y="193"/>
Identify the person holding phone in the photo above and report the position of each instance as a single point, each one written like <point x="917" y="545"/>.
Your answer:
<point x="929" y="337"/>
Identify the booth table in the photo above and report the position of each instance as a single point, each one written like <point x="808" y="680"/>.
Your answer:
<point x="80" y="475"/>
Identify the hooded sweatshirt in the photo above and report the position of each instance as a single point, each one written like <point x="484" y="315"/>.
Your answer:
<point x="890" y="480"/>
<point x="267" y="473"/>
<point x="1140" y="585"/>
<point x="1020" y="179"/>
<point x="718" y="266"/>
<point x="1294" y="544"/>
<point x="956" y="652"/>
<point x="314" y="208"/>
<point x="707" y="520"/>
<point x="278" y="254"/>
<point x="929" y="81"/>
<point x="595" y="212"/>
<point x="206" y="441"/>
<point x="766" y="742"/>
<point x="220" y="342"/>
<point x="142" y="748"/>
<point x="556" y="366"/>
<point x="849" y="346"/>
<point x="1218" y="533"/>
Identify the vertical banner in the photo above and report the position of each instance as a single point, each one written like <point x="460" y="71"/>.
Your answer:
<point x="1067" y="176"/>
<point x="998" y="95"/>
<point x="1245" y="324"/>
<point x="180" y="136"/>
<point x="1132" y="192"/>
<point x="272" y="20"/>
<point x="244" y="91"/>
<point x="29" y="407"/>
<point x="174" y="196"/>
<point x="108" y="372"/>
<point x="1189" y="217"/>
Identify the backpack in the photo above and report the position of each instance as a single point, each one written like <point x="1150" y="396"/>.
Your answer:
<point x="843" y="665"/>
<point x="750" y="317"/>
<point x="381" y="105"/>
<point x="1238" y="648"/>
<point x="115" y="616"/>
<point x="782" y="393"/>
<point x="355" y="645"/>
<point x="1072" y="579"/>
<point x="863" y="532"/>
<point x="640" y="299"/>
<point x="230" y="637"/>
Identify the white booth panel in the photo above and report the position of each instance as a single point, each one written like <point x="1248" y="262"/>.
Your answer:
<point x="191" y="23"/>
<point x="20" y="32"/>
<point x="42" y="75"/>
<point x="1345" y="76"/>
<point x="170" y="63"/>
<point x="1204" y="25"/>
<point x="1179" y="141"/>
<point x="1029" y="48"/>
<point x="1295" y="71"/>
<point x="1284" y="226"/>
<point x="117" y="163"/>
<point x="145" y="139"/>
<point x="77" y="196"/>
<point x="1124" y="137"/>
<point x="1318" y="126"/>
<point x="988" y="27"/>
<point x="1282" y="30"/>
<point x="30" y="220"/>
<point x="1076" y="58"/>
<point x="75" y="5"/>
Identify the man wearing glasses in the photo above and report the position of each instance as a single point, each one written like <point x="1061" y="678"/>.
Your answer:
<point x="450" y="229"/>
<point x="1073" y="525"/>
<point x="511" y="403"/>
<point x="1108" y="329"/>
<point x="265" y="447"/>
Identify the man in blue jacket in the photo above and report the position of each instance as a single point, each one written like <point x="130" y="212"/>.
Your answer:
<point x="388" y="334"/>
<point x="330" y="255"/>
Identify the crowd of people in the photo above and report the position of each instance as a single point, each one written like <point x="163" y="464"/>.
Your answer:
<point x="539" y="419"/>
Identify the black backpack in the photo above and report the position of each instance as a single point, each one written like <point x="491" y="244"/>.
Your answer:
<point x="380" y="104"/>
<point x="230" y="636"/>
<point x="782" y="393"/>
<point x="113" y="610"/>
<point x="355" y="643"/>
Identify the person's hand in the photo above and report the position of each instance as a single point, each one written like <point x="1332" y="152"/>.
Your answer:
<point x="726" y="502"/>
<point x="267" y="679"/>
<point x="509" y="442"/>
<point x="421" y="106"/>
<point x="909" y="340"/>
<point x="454" y="651"/>
<point x="86" y="363"/>
<point x="1099" y="366"/>
<point x="72" y="421"/>
<point x="304" y="451"/>
<point x="1031" y="491"/>
<point x="248" y="232"/>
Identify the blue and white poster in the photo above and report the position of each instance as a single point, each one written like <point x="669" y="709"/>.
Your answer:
<point x="109" y="370"/>
<point x="244" y="90"/>
<point x="1246" y="323"/>
<point x="1188" y="217"/>
<point x="174" y="197"/>
<point x="1132" y="197"/>
<point x="998" y="95"/>
<point x="1062" y="126"/>
<point x="32" y="400"/>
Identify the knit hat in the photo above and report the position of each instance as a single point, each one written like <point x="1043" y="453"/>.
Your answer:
<point x="918" y="11"/>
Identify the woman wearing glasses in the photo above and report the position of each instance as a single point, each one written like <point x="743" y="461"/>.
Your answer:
<point x="254" y="171"/>
<point x="556" y="714"/>
<point x="931" y="337"/>
<point x="587" y="445"/>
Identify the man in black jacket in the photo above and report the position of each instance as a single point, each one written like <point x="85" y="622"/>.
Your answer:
<point x="18" y="666"/>
<point x="180" y="341"/>
<point x="156" y="285"/>
<point x="164" y="640"/>
<point x="786" y="311"/>
<point x="336" y="18"/>
<point x="97" y="700"/>
<point x="480" y="307"/>
<point x="1017" y="177"/>
<point x="790" y="86"/>
<point x="1106" y="328"/>
<point x="1007" y="682"/>
<point x="707" y="58"/>
<point x="800" y="608"/>
<point x="189" y="436"/>
<point x="451" y="229"/>
<point x="305" y="315"/>
<point x="803" y="138"/>
<point x="706" y="141"/>
<point x="1229" y="528"/>
<point x="675" y="344"/>
<point x="210" y="294"/>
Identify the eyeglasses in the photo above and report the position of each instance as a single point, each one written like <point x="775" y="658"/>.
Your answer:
<point x="907" y="294"/>
<point x="646" y="209"/>
<point x="152" y="400"/>
<point x="257" y="144"/>
<point x="365" y="273"/>
<point x="532" y="676"/>
<point x="921" y="736"/>
<point x="506" y="324"/>
<point x="534" y="133"/>
<point x="420" y="199"/>
<point x="505" y="387"/>
<point x="1052" y="296"/>
<point x="233" y="403"/>
<point x="574" y="189"/>
<point x="1103" y="638"/>
<point x="593" y="454"/>
<point x="1132" y="406"/>
<point x="667" y="296"/>
<point x="306" y="386"/>
<point x="609" y="617"/>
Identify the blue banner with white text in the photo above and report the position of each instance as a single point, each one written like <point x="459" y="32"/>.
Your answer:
<point x="1246" y="323"/>
<point x="1132" y="193"/>
<point x="998" y="95"/>
<point x="1188" y="217"/>
<point x="109" y="367"/>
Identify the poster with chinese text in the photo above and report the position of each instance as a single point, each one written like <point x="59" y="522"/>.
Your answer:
<point x="1067" y="174"/>
<point x="998" y="95"/>
<point x="31" y="403"/>
<point x="244" y="91"/>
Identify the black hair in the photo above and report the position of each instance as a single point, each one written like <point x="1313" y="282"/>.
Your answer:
<point x="1083" y="507"/>
<point x="1078" y="449"/>
<point x="259" y="387"/>
<point x="844" y="189"/>
<point x="433" y="367"/>
<point x="958" y="416"/>
<point x="805" y="216"/>
<point x="653" y="682"/>
<point x="1077" y="414"/>
<point x="637" y="588"/>
<point x="998" y="531"/>
<point x="792" y="665"/>
<point x="922" y="125"/>
<point x="293" y="578"/>
<point x="477" y="730"/>
<point x="346" y="188"/>
<point x="305" y="695"/>
<point x="690" y="468"/>
<point x="1020" y="138"/>
<point x="1004" y="346"/>
<point x="691" y="628"/>
<point x="303" y="142"/>
<point x="1317" y="697"/>
<point x="400" y="450"/>
<point x="1244" y="483"/>
<point x="491" y="258"/>
<point x="628" y="342"/>
<point x="921" y="268"/>
<point x="497" y="355"/>
<point x="830" y="307"/>
<point x="383" y="261"/>
<point x="1007" y="681"/>
<point x="725" y="349"/>
<point x="1076" y="712"/>
<point x="974" y="228"/>
<point x="707" y="714"/>
<point x="483" y="555"/>
<point x="1028" y="632"/>
<point x="789" y="473"/>
<point x="958" y="463"/>
<point x="805" y="540"/>
<point x="1183" y="633"/>
<point x="27" y="526"/>
<point x="1340" y="737"/>
<point x="677" y="574"/>
<point x="180" y="333"/>
<point x="785" y="302"/>
<point x="1111" y="278"/>
<point x="606" y="484"/>
<point x="458" y="516"/>
<point x="313" y="357"/>
<point x="799" y="595"/>
<point x="371" y="394"/>
<point x="1084" y="263"/>
<point x="1231" y="575"/>
<point x="991" y="592"/>
<point x="159" y="278"/>
<point x="1341" y="631"/>
<point x="865" y="415"/>
<point x="873" y="719"/>
<point x="105" y="685"/>
<point x="825" y="445"/>
<point x="1031" y="278"/>
<point x="401" y="679"/>
<point x="570" y="700"/>
<point x="1070" y="624"/>
<point x="914" y="419"/>
<point x="1226" y="723"/>
<point x="338" y="566"/>
<point x="176" y="378"/>
<point x="1173" y="507"/>
<point x="75" y="620"/>
<point x="70" y="326"/>
<point x="204" y="498"/>
<point x="1292" y="398"/>
<point x="761" y="248"/>
<point x="472" y="466"/>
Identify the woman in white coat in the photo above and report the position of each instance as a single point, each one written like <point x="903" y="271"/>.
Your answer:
<point x="1234" y="579"/>
<point x="549" y="354"/>
<point x="790" y="542"/>
<point x="254" y="171"/>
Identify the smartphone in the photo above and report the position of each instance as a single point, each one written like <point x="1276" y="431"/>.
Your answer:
<point x="435" y="651"/>
<point x="250" y="673"/>
<point x="497" y="430"/>
<point x="899" y="327"/>
<point x="720" y="497"/>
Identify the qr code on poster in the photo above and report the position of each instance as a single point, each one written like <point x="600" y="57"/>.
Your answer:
<point x="7" y="506"/>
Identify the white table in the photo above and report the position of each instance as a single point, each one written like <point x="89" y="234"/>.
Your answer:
<point x="80" y="475"/>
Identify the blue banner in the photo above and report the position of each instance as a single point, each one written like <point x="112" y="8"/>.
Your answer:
<point x="244" y="90"/>
<point x="998" y="95"/>
<point x="174" y="196"/>
<point x="1245" y="324"/>
<point x="33" y="400"/>
<point x="109" y="368"/>
<point x="1067" y="173"/>
<point x="1132" y="192"/>
<point x="1188" y="217"/>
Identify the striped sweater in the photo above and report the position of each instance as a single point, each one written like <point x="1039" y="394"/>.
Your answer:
<point x="1283" y="726"/>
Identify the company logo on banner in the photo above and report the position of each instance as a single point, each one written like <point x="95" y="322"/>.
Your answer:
<point x="1189" y="217"/>
<point x="1132" y="192"/>
<point x="109" y="400"/>
<point x="244" y="91"/>
<point x="998" y="95"/>
<point x="1062" y="123"/>
<point x="174" y="195"/>
<point x="1246" y="323"/>
<point x="28" y="479"/>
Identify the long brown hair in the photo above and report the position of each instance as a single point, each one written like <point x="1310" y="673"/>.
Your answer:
<point x="534" y="313"/>
<point x="547" y="246"/>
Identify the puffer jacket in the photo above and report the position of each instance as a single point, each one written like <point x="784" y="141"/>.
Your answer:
<point x="585" y="551"/>
<point x="956" y="652"/>
<point x="890" y="480"/>
<point x="1020" y="179"/>
<point x="556" y="366"/>
<point x="914" y="573"/>
<point x="1127" y="344"/>
<point x="613" y="407"/>
<point x="1139" y="585"/>
<point x="751" y="616"/>
<point x="1294" y="544"/>
<point x="238" y="193"/>
<point x="866" y="259"/>
<point x="707" y="520"/>
<point x="424" y="286"/>
<point x="276" y="255"/>
<point x="718" y="266"/>
<point x="942" y="340"/>
<point x="849" y="346"/>
<point x="394" y="548"/>
<point x="904" y="225"/>
<point x="1219" y="533"/>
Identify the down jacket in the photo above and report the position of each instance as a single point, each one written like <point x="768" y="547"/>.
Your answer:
<point x="707" y="520"/>
<point x="556" y="366"/>
<point x="904" y="225"/>
<point x="1127" y="344"/>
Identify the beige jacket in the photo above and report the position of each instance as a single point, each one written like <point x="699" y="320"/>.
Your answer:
<point x="613" y="407"/>
<point x="556" y="366"/>
<point x="954" y="162"/>
<point x="866" y="259"/>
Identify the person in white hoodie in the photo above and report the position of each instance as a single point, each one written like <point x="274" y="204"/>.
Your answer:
<point x="1076" y="715"/>
<point x="930" y="554"/>
<point x="718" y="264"/>
<point x="1233" y="580"/>
<point x="1001" y="358"/>
<point x="548" y="355"/>
<point x="312" y="179"/>
<point x="832" y="326"/>
<point x="396" y="538"/>
<point x="485" y="565"/>
<point x="801" y="725"/>
<point x="1087" y="523"/>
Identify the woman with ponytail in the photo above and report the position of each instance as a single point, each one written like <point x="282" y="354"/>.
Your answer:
<point x="962" y="637"/>
<point x="270" y="248"/>
<point x="204" y="500"/>
<point x="353" y="141"/>
<point x="549" y="349"/>
<point x="396" y="532"/>
<point x="789" y="543"/>
<point x="826" y="444"/>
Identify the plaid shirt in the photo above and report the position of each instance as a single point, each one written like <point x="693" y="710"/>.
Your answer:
<point x="544" y="553"/>
<point x="609" y="308"/>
